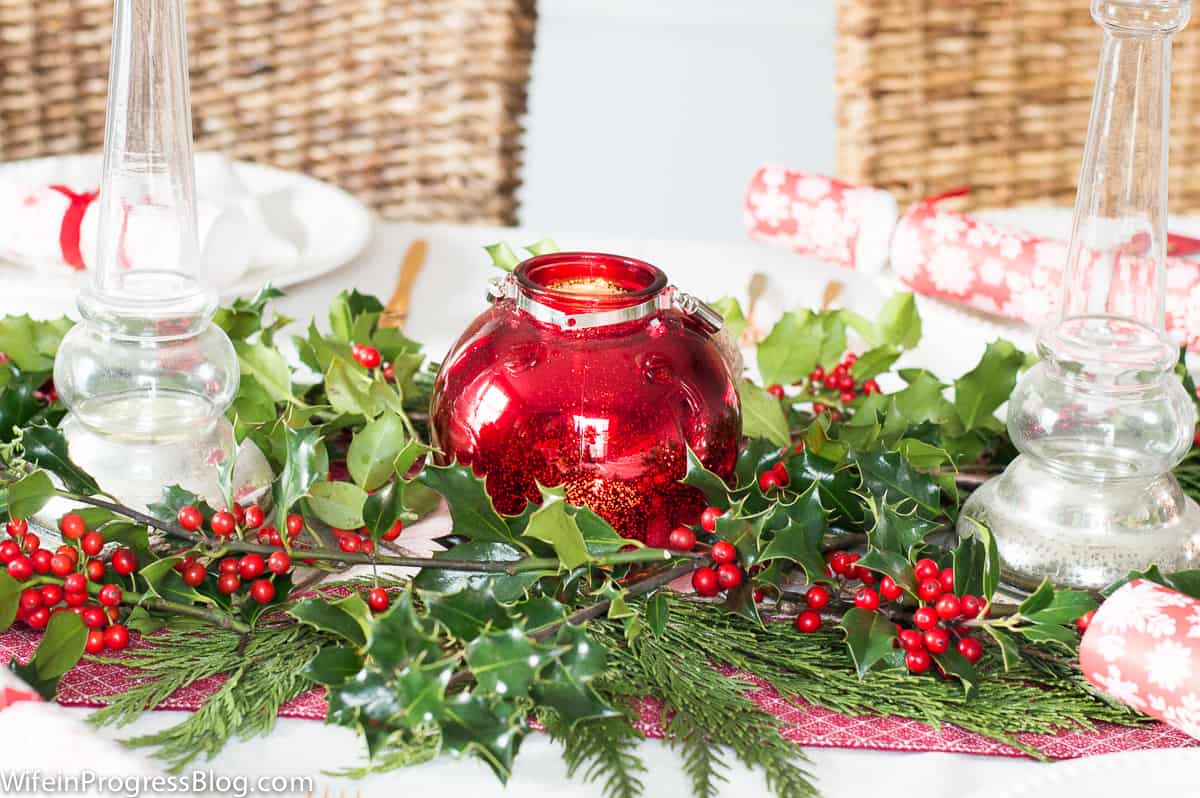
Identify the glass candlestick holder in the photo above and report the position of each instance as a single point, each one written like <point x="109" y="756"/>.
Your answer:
<point x="146" y="375"/>
<point x="1103" y="419"/>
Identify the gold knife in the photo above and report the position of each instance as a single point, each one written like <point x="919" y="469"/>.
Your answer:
<point x="396" y="312"/>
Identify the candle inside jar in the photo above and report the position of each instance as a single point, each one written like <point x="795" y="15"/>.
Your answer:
<point x="594" y="286"/>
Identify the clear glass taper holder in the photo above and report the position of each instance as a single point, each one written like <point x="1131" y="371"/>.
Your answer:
<point x="1102" y="419"/>
<point x="146" y="375"/>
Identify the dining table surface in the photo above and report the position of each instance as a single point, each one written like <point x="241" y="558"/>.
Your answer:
<point x="449" y="292"/>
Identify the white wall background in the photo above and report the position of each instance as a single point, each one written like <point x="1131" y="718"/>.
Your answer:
<point x="647" y="117"/>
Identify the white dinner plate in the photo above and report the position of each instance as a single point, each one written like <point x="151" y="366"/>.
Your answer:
<point x="328" y="226"/>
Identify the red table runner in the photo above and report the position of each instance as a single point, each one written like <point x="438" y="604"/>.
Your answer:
<point x="803" y="724"/>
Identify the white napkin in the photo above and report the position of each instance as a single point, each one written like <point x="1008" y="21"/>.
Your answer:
<point x="235" y="233"/>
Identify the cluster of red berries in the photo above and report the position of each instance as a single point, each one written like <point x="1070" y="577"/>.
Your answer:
<point x="837" y="379"/>
<point x="367" y="356"/>
<point x="708" y="580"/>
<point x="842" y="564"/>
<point x="23" y="557"/>
<point x="775" y="477"/>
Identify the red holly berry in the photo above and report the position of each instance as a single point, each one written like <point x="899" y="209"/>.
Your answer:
<point x="194" y="575"/>
<point x="72" y="526"/>
<point x="839" y="562"/>
<point x="61" y="565"/>
<point x="75" y="598"/>
<point x="889" y="589"/>
<point x="31" y="599"/>
<point x="222" y="524"/>
<point x="51" y="595"/>
<point x="869" y="387"/>
<point x="251" y="566"/>
<point x="925" y="618"/>
<point x="866" y="599"/>
<point x="937" y="640"/>
<point x="8" y="550"/>
<point x="124" y="561"/>
<point x="776" y="390"/>
<point x="852" y="570"/>
<point x="30" y="542"/>
<point x="295" y="525"/>
<point x="17" y="527"/>
<point x="110" y="595"/>
<point x="254" y="517"/>
<point x="1084" y="621"/>
<point x="349" y="543"/>
<point x="970" y="648"/>
<point x="723" y="551"/>
<point x="818" y="408"/>
<point x="926" y="569"/>
<point x="279" y="562"/>
<point x="41" y="561"/>
<point x="704" y="580"/>
<point x="20" y="568"/>
<point x="971" y="605"/>
<point x="229" y="584"/>
<point x="68" y="551"/>
<point x="239" y="514"/>
<point x="190" y="518"/>
<point x="918" y="661"/>
<point x="708" y="518"/>
<point x="847" y="396"/>
<point x="729" y="576"/>
<point x="850" y="359"/>
<point x="946" y="578"/>
<point x="38" y="618"/>
<point x="91" y="543"/>
<point x="808" y="622"/>
<point x="95" y="642"/>
<point x="681" y="539"/>
<point x="799" y="447"/>
<point x="367" y="546"/>
<point x="817" y="374"/>
<point x="116" y="637"/>
<point x="367" y="356"/>
<point x="768" y="481"/>
<point x="394" y="532"/>
<point x="817" y="597"/>
<point x="911" y="640"/>
<point x="378" y="599"/>
<point x="867" y="577"/>
<point x="92" y="616"/>
<point x="263" y="591"/>
<point x="781" y="473"/>
<point x="948" y="607"/>
<point x="229" y="565"/>
<point x="75" y="583"/>
<point x="389" y="372"/>
<point x="929" y="590"/>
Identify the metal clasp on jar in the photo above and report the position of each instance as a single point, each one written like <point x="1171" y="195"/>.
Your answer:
<point x="705" y="313"/>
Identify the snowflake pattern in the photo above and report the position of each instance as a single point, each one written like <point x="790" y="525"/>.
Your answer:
<point x="1168" y="664"/>
<point x="1123" y="690"/>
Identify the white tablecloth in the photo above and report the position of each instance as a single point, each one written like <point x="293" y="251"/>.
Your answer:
<point x="448" y="294"/>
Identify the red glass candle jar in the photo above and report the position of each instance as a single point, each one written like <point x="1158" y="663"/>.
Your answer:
<point x="589" y="371"/>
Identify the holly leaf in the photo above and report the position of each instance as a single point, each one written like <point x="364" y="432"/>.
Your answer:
<point x="1010" y="654"/>
<point x="956" y="665"/>
<point x="1049" y="606"/>
<point x="339" y="504"/>
<point x="45" y="446"/>
<point x="899" y="321"/>
<point x="504" y="587"/>
<point x="383" y="508"/>
<point x="1047" y="633"/>
<point x="565" y="686"/>
<point x="799" y="541"/>
<point x="31" y="344"/>
<point x="505" y="662"/>
<point x="791" y="349"/>
<point x="835" y="484"/>
<point x="30" y="494"/>
<point x="471" y="508"/>
<point x="268" y="368"/>
<point x="348" y="387"/>
<point x="333" y="666"/>
<point x="731" y="311"/>
<point x="467" y="613"/>
<point x="869" y="637"/>
<point x="874" y="362"/>
<point x="554" y="525"/>
<point x="327" y="617"/>
<point x="658" y="613"/>
<point x="979" y="392"/>
<point x="304" y="452"/>
<point x="61" y="647"/>
<point x="715" y="490"/>
<point x="969" y="557"/>
<point x="18" y="406"/>
<point x="990" y="577"/>
<point x="10" y="599"/>
<point x="762" y="415"/>
<point x="889" y="477"/>
<point x="400" y="636"/>
<point x="373" y="452"/>
<point x="896" y="531"/>
<point x="472" y="725"/>
<point x="892" y="564"/>
<point x="598" y="535"/>
<point x="172" y="500"/>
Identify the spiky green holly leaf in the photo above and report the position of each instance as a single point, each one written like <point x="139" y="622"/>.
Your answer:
<point x="372" y="456"/>
<point x="791" y="350"/>
<point x="762" y="414"/>
<point x="869" y="637"/>
<point x="506" y="588"/>
<point x="305" y="462"/>
<point x="712" y="486"/>
<point x="10" y="598"/>
<point x="955" y="664"/>
<point x="979" y="392"/>
<point x="45" y="446"/>
<point x="29" y="494"/>
<point x="471" y="508"/>
<point x="327" y="617"/>
<point x="401" y="636"/>
<point x="505" y="662"/>
<point x="799" y="540"/>
<point x="472" y="725"/>
<point x="658" y="613"/>
<point x="836" y="484"/>
<point x="18" y="405"/>
<point x="467" y="613"/>
<point x="334" y="666"/>
<point x="890" y="478"/>
<point x="898" y="528"/>
<point x="899" y="321"/>
<point x="31" y="344"/>
<point x="553" y="524"/>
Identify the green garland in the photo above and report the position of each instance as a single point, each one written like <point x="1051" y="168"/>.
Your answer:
<point x="548" y="614"/>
